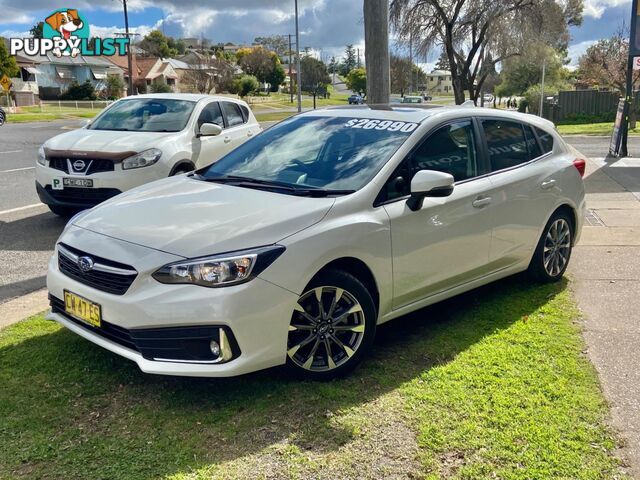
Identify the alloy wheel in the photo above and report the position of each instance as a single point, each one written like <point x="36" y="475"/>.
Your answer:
<point x="326" y="329"/>
<point x="557" y="247"/>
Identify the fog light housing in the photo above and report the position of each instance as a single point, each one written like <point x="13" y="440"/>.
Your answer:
<point x="215" y="348"/>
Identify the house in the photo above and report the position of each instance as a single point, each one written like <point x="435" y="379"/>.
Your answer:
<point x="439" y="81"/>
<point x="53" y="75"/>
<point x="25" y="85"/>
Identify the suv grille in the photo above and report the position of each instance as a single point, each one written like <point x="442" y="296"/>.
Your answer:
<point x="90" y="166"/>
<point x="106" y="275"/>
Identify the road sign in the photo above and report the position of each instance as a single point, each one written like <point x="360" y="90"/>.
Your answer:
<point x="616" y="136"/>
<point x="5" y="82"/>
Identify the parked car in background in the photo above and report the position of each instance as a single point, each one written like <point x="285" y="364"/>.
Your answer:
<point x="137" y="140"/>
<point x="427" y="97"/>
<point x="3" y="116"/>
<point x="356" y="99"/>
<point x="296" y="245"/>
<point x="412" y="99"/>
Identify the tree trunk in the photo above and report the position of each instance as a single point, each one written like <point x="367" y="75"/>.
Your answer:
<point x="314" y="99"/>
<point x="376" y="39"/>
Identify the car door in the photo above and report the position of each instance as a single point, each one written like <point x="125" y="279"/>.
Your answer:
<point x="237" y="131"/>
<point x="523" y="189"/>
<point x="209" y="149"/>
<point x="445" y="243"/>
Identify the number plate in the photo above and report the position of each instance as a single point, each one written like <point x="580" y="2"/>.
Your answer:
<point x="77" y="182"/>
<point x="82" y="309"/>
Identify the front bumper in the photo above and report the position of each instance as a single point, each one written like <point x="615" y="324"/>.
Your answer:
<point x="256" y="313"/>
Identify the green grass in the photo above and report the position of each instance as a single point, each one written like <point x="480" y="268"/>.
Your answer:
<point x="605" y="129"/>
<point x="273" y="116"/>
<point x="50" y="113"/>
<point x="492" y="384"/>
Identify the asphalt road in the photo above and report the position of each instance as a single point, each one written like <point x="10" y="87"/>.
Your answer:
<point x="28" y="231"/>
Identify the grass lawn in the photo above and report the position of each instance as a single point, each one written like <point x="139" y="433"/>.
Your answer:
<point x="605" y="129"/>
<point x="33" y="114"/>
<point x="492" y="384"/>
<point x="272" y="116"/>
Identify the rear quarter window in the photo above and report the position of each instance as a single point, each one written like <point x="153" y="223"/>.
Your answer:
<point x="546" y="140"/>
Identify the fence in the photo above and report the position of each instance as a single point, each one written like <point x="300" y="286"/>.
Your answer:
<point x="582" y="105"/>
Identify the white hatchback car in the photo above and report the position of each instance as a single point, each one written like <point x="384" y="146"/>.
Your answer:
<point x="296" y="245"/>
<point x="135" y="141"/>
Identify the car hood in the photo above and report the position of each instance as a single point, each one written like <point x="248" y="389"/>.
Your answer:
<point x="84" y="140"/>
<point x="193" y="218"/>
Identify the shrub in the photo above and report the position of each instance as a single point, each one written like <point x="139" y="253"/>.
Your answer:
<point x="115" y="86"/>
<point x="86" y="91"/>
<point x="246" y="84"/>
<point x="582" y="118"/>
<point x="160" y="87"/>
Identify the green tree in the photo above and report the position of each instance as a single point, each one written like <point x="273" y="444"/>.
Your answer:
<point x="314" y="77"/>
<point x="36" y="30"/>
<point x="76" y="91"/>
<point x="522" y="72"/>
<point x="115" y="86"/>
<point x="160" y="87"/>
<point x="8" y="65"/>
<point x="356" y="80"/>
<point x="349" y="61"/>
<point x="277" y="77"/>
<point x="245" y="85"/>
<point x="274" y="43"/>
<point x="443" y="62"/>
<point x="178" y="45"/>
<point x="404" y="75"/>
<point x="157" y="45"/>
<point x="261" y="63"/>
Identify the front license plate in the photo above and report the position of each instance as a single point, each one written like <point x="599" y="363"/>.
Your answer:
<point x="78" y="182"/>
<point x="82" y="309"/>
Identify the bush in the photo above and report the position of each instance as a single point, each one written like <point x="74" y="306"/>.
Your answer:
<point x="115" y="86"/>
<point x="86" y="91"/>
<point x="245" y="85"/>
<point x="583" y="118"/>
<point x="160" y="87"/>
<point x="523" y="105"/>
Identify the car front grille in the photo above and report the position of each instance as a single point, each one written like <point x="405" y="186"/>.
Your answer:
<point x="106" y="275"/>
<point x="91" y="166"/>
<point x="83" y="196"/>
<point x="183" y="344"/>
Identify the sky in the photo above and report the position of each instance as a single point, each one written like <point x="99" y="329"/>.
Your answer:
<point x="326" y="26"/>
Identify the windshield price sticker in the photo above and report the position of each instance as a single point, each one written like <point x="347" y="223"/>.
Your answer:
<point x="389" y="125"/>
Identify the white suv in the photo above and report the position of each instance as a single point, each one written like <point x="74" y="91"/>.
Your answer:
<point x="137" y="140"/>
<point x="296" y="245"/>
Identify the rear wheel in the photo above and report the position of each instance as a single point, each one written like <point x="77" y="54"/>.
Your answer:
<point x="64" y="212"/>
<point x="553" y="251"/>
<point x="180" y="169"/>
<point x="332" y="327"/>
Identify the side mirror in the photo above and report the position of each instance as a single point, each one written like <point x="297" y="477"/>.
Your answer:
<point x="429" y="183"/>
<point x="210" y="130"/>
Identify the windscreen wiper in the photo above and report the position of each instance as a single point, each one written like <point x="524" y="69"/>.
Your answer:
<point x="249" y="182"/>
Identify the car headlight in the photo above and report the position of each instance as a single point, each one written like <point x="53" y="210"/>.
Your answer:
<point x="142" y="159"/>
<point x="220" y="270"/>
<point x="42" y="157"/>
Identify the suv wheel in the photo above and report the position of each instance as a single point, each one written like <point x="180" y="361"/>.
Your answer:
<point x="332" y="326"/>
<point x="553" y="251"/>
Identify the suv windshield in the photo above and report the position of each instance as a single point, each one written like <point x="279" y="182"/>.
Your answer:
<point x="145" y="115"/>
<point x="335" y="153"/>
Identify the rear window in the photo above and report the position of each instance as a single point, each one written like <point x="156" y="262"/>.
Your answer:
<point x="233" y="114"/>
<point x="546" y="140"/>
<point x="506" y="143"/>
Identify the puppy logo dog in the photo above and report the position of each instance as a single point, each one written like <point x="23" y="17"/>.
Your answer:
<point x="66" y="23"/>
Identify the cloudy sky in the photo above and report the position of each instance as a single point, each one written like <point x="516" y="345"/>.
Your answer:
<point x="325" y="25"/>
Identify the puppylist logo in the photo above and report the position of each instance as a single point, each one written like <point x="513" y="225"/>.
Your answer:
<point x="66" y="33"/>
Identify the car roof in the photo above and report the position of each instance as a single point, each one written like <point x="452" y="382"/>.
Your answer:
<point x="192" y="97"/>
<point x="418" y="112"/>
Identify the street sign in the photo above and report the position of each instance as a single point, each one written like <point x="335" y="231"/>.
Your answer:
<point x="636" y="63"/>
<point x="616" y="136"/>
<point x="5" y="82"/>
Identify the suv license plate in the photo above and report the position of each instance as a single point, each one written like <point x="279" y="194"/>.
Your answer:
<point x="77" y="182"/>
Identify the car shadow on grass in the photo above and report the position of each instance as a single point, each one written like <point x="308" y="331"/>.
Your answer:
<point x="69" y="407"/>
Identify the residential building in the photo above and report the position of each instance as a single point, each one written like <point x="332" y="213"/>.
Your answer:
<point x="439" y="82"/>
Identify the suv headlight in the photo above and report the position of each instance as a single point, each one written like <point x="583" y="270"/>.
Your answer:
<point x="42" y="157"/>
<point x="220" y="270"/>
<point x="142" y="159"/>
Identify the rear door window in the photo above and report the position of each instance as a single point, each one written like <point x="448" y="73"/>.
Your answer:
<point x="506" y="143"/>
<point x="532" y="143"/>
<point x="232" y="113"/>
<point x="546" y="140"/>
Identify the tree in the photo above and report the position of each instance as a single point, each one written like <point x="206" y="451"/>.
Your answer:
<point x="36" y="30"/>
<point x="115" y="86"/>
<point x="245" y="85"/>
<point x="333" y="66"/>
<point x="277" y="77"/>
<point x="261" y="63"/>
<point x="8" y="65"/>
<point x="159" y="87"/>
<point x="400" y="74"/>
<point x="356" y="80"/>
<point x="349" y="61"/>
<point x="157" y="45"/>
<point x="520" y="73"/>
<point x="443" y="62"/>
<point x="200" y="75"/>
<point x="275" y="43"/>
<point x="472" y="32"/>
<point x="178" y="45"/>
<point x="76" y="91"/>
<point x="314" y="77"/>
<point x="605" y="63"/>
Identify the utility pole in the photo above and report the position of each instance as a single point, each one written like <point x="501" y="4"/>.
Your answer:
<point x="544" y="68"/>
<point x="290" y="72"/>
<point x="129" y="59"/>
<point x="411" y="62"/>
<point x="376" y="50"/>
<point x="624" y="151"/>
<point x="358" y="57"/>
<point x="298" y="76"/>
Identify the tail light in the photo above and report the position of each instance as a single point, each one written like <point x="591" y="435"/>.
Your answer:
<point x="580" y="165"/>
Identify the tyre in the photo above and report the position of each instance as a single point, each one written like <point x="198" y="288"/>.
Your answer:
<point x="332" y="327"/>
<point x="64" y="212"/>
<point x="2" y="118"/>
<point x="181" y="169"/>
<point x="552" y="254"/>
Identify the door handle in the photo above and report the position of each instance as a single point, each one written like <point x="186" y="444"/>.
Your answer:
<point x="227" y="139"/>
<point x="547" y="184"/>
<point x="480" y="202"/>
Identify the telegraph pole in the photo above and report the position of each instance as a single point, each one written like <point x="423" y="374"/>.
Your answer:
<point x="376" y="54"/>
<point x="129" y="59"/>
<point x="298" y="76"/>
<point x="290" y="72"/>
<point x="544" y="68"/>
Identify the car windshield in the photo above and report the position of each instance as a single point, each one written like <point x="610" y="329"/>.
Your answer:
<point x="145" y="115"/>
<point x="330" y="153"/>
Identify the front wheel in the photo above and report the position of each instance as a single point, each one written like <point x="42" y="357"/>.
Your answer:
<point x="332" y="327"/>
<point x="551" y="257"/>
<point x="2" y="118"/>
